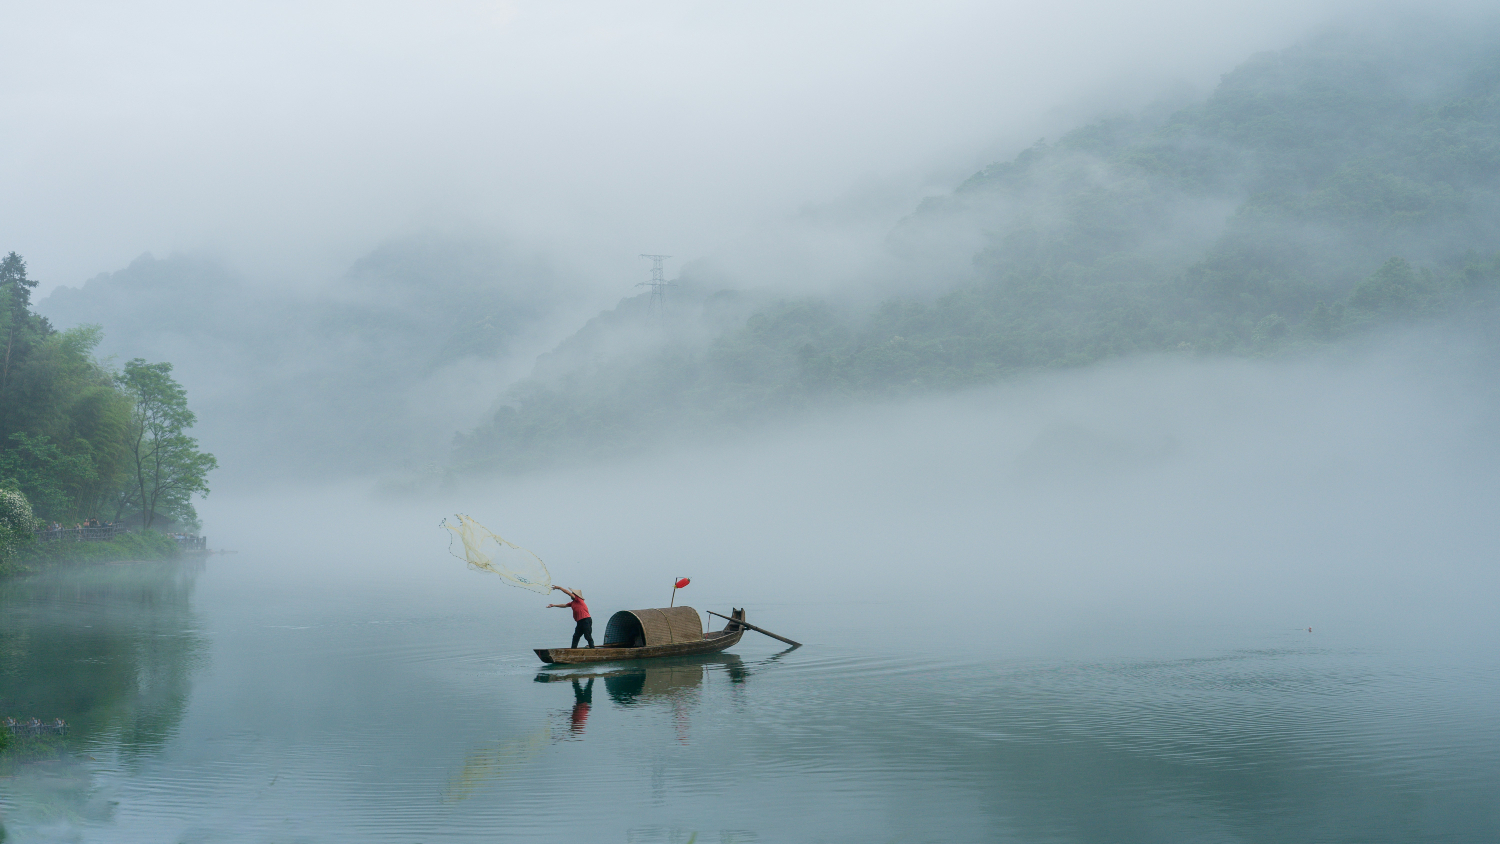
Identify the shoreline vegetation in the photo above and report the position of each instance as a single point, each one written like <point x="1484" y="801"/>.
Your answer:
<point x="80" y="439"/>
<point x="139" y="546"/>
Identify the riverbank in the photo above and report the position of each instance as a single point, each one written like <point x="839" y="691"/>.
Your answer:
<point x="141" y="545"/>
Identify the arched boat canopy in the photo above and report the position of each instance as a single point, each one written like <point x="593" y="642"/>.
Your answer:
<point x="647" y="628"/>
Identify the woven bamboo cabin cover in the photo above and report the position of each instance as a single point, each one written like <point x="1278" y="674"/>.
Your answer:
<point x="664" y="626"/>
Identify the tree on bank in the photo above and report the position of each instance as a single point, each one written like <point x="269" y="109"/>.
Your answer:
<point x="169" y="468"/>
<point x="77" y="439"/>
<point x="51" y="478"/>
<point x="63" y="424"/>
<point x="21" y="326"/>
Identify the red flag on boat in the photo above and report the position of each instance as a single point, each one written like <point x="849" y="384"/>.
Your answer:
<point x="682" y="581"/>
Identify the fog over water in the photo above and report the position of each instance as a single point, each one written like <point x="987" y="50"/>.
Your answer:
<point x="1073" y="607"/>
<point x="1212" y="560"/>
<point x="1172" y="493"/>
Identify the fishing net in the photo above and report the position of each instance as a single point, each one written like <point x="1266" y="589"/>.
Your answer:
<point x="484" y="551"/>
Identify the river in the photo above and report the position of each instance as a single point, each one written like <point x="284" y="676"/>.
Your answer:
<point x="241" y="708"/>
<point x="1171" y="603"/>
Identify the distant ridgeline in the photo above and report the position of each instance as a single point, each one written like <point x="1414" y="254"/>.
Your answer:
<point x="1347" y="183"/>
<point x="320" y="379"/>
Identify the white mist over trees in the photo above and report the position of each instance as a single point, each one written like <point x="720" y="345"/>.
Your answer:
<point x="1283" y="212"/>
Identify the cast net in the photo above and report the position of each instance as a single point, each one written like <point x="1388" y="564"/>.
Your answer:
<point x="484" y="551"/>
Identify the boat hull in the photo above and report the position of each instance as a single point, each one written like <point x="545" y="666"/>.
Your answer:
<point x="712" y="643"/>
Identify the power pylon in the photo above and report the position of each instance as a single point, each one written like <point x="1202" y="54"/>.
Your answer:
<point x="658" y="285"/>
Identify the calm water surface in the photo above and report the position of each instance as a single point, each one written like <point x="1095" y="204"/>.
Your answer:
<point x="216" y="703"/>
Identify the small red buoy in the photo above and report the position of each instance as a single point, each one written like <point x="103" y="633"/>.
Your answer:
<point x="683" y="582"/>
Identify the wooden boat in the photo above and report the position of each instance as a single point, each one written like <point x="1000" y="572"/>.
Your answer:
<point x="648" y="634"/>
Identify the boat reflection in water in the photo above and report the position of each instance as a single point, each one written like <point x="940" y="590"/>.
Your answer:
<point x="674" y="682"/>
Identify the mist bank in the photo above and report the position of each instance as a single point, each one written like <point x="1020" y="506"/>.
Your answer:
<point x="1348" y="184"/>
<point x="370" y="371"/>
<point x="1179" y="496"/>
<point x="1344" y="187"/>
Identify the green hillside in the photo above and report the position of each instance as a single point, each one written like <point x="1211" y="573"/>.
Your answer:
<point x="1346" y="184"/>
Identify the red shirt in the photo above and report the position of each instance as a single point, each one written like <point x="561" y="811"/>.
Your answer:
<point x="580" y="609"/>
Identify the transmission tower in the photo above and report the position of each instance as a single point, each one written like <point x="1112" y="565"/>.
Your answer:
<point x="658" y="285"/>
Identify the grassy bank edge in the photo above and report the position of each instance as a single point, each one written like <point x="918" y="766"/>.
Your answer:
<point x="142" y="545"/>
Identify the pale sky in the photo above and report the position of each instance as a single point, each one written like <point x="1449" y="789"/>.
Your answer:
<point x="289" y="138"/>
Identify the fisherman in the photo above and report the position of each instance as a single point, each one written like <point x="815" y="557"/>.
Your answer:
<point x="580" y="610"/>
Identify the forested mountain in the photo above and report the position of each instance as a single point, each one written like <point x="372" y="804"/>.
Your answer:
<point x="1346" y="183"/>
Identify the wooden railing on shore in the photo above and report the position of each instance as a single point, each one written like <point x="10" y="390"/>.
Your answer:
<point x="191" y="541"/>
<point x="102" y="533"/>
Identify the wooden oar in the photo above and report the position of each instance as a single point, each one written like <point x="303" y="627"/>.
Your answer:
<point x="743" y="623"/>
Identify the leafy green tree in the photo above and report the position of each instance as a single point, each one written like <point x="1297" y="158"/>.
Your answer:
<point x="168" y="466"/>
<point x="63" y="419"/>
<point x="21" y="326"/>
<point x="74" y="436"/>
<point x="45" y="474"/>
<point x="63" y="425"/>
